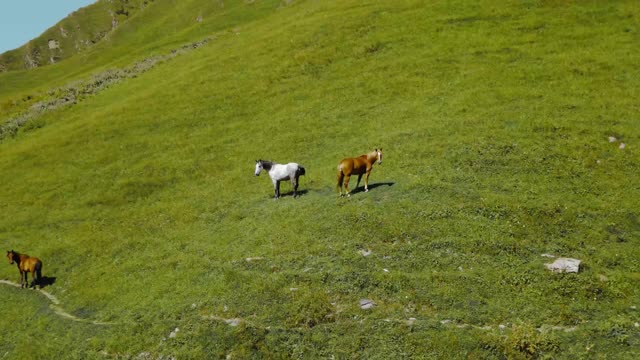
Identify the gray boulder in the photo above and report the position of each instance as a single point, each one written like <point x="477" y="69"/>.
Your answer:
<point x="564" y="265"/>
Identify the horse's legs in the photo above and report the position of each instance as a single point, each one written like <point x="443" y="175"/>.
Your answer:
<point x="346" y="184"/>
<point x="366" y="181"/>
<point x="22" y="278"/>
<point x="294" y="182"/>
<point x="358" y="183"/>
<point x="277" y="189"/>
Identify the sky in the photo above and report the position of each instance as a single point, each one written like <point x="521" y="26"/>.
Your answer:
<point x="23" y="20"/>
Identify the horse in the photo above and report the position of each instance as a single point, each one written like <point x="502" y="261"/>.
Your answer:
<point x="357" y="166"/>
<point x="26" y="264"/>
<point x="280" y="172"/>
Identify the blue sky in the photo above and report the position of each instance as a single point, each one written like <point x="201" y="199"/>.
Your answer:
<point x="23" y="20"/>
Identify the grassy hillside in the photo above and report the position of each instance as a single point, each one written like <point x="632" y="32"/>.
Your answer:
<point x="495" y="121"/>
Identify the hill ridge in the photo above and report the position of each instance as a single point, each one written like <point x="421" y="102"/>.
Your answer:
<point x="73" y="34"/>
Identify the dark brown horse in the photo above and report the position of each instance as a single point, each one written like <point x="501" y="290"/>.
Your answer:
<point x="27" y="264"/>
<point x="357" y="166"/>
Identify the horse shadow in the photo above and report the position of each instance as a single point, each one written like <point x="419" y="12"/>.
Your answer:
<point x="371" y="186"/>
<point x="290" y="193"/>
<point x="47" y="281"/>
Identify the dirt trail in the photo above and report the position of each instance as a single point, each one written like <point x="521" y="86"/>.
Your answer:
<point x="55" y="306"/>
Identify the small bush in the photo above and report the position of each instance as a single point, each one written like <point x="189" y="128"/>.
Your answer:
<point x="310" y="309"/>
<point x="522" y="342"/>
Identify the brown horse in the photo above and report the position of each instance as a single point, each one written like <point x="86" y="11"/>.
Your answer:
<point x="27" y="264"/>
<point x="357" y="166"/>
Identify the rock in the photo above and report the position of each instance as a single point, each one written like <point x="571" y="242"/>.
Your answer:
<point x="53" y="44"/>
<point x="365" y="253"/>
<point x="612" y="139"/>
<point x="366" y="304"/>
<point x="564" y="265"/>
<point x="622" y="145"/>
<point x="174" y="333"/>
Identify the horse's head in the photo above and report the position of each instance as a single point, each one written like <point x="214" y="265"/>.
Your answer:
<point x="379" y="155"/>
<point x="10" y="255"/>
<point x="258" y="167"/>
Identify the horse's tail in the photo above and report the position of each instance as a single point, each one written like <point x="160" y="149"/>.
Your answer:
<point x="340" y="178"/>
<point x="38" y="270"/>
<point x="301" y="171"/>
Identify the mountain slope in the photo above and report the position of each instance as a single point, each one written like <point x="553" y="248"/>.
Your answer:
<point x="72" y="35"/>
<point x="495" y="122"/>
<point x="162" y="28"/>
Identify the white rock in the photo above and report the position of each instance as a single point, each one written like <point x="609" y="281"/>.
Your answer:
<point x="564" y="265"/>
<point x="367" y="304"/>
<point x="622" y="146"/>
<point x="612" y="139"/>
<point x="366" y="253"/>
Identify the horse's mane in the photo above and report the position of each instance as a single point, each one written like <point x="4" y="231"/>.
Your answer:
<point x="266" y="164"/>
<point x="369" y="155"/>
<point x="16" y="256"/>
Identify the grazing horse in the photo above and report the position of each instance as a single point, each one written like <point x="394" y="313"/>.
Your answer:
<point x="357" y="166"/>
<point x="279" y="172"/>
<point x="27" y="264"/>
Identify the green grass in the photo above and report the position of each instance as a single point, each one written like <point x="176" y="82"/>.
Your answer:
<point x="494" y="118"/>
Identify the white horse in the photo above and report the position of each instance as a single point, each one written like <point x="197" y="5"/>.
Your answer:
<point x="279" y="172"/>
